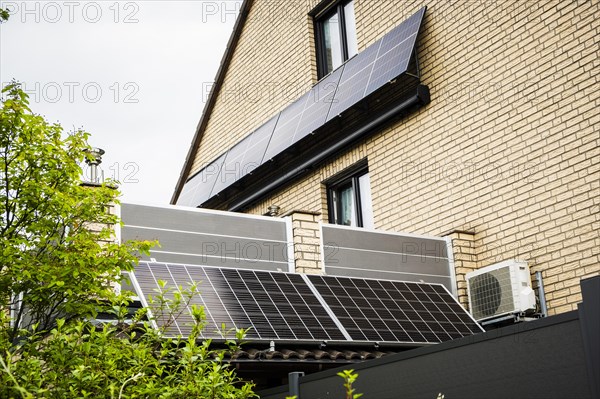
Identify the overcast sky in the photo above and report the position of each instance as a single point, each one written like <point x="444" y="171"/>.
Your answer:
<point x="133" y="74"/>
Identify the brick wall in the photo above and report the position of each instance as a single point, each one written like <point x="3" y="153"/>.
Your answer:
<point x="307" y="242"/>
<point x="509" y="147"/>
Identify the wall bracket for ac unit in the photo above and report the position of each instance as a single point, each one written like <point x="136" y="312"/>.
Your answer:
<point x="507" y="319"/>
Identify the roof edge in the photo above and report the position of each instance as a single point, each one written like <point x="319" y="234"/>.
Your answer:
<point x="212" y="97"/>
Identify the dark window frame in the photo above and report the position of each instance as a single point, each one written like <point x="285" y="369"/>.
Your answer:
<point x="320" y="16"/>
<point x="335" y="185"/>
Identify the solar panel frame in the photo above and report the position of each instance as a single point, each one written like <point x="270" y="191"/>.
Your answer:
<point x="204" y="181"/>
<point x="287" y="124"/>
<point x="311" y="308"/>
<point x="276" y="305"/>
<point x="359" y="305"/>
<point x="245" y="156"/>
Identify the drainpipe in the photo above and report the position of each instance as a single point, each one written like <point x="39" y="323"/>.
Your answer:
<point x="541" y="294"/>
<point x="422" y="97"/>
<point x="294" y="383"/>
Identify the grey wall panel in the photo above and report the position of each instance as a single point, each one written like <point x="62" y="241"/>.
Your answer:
<point x="386" y="261"/>
<point x="216" y="261"/>
<point x="212" y="245"/>
<point x="209" y="238"/>
<point x="382" y="241"/>
<point x="177" y="218"/>
<point x="356" y="252"/>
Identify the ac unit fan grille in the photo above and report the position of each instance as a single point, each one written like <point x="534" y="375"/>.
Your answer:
<point x="491" y="293"/>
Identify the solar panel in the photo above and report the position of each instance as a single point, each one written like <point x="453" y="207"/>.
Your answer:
<point x="245" y="156"/>
<point x="382" y="310"/>
<point x="288" y="122"/>
<point x="288" y="306"/>
<point x="273" y="305"/>
<point x="317" y="105"/>
<point x="395" y="52"/>
<point x="369" y="70"/>
<point x="354" y="80"/>
<point x="201" y="184"/>
<point x="379" y="63"/>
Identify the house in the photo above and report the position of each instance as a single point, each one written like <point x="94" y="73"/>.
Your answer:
<point x="468" y="120"/>
<point x="393" y="142"/>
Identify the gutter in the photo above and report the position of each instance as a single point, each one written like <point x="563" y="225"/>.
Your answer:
<point x="421" y="97"/>
<point x="212" y="97"/>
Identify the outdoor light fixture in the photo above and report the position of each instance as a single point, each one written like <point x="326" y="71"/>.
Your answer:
<point x="93" y="161"/>
<point x="273" y="210"/>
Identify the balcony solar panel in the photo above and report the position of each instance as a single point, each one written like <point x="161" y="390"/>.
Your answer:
<point x="360" y="76"/>
<point x="288" y="306"/>
<point x="288" y="123"/>
<point x="245" y="156"/>
<point x="381" y="62"/>
<point x="232" y="165"/>
<point x="354" y="80"/>
<point x="392" y="311"/>
<point x="201" y="184"/>
<point x="318" y="104"/>
<point x="275" y="306"/>
<point x="394" y="54"/>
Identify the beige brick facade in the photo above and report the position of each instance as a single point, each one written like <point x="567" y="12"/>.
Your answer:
<point x="306" y="233"/>
<point x="508" y="148"/>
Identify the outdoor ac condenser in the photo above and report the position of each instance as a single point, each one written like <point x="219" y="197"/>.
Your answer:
<point x="500" y="289"/>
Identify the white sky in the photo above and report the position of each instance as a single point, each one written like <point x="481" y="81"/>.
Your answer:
<point x="134" y="74"/>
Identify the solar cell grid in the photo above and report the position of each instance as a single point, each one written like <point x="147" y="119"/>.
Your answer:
<point x="397" y="311"/>
<point x="284" y="132"/>
<point x="204" y="182"/>
<point x="284" y="306"/>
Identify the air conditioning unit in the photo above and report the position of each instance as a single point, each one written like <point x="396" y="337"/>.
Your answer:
<point x="500" y="289"/>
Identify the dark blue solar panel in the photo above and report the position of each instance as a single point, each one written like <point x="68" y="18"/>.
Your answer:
<point x="395" y="52"/>
<point x="382" y="310"/>
<point x="245" y="156"/>
<point x="383" y="61"/>
<point x="257" y="147"/>
<point x="201" y="184"/>
<point x="286" y="127"/>
<point x="317" y="105"/>
<point x="231" y="170"/>
<point x="354" y="80"/>
<point x="273" y="305"/>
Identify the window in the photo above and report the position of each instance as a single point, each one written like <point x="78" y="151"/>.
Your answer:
<point x="350" y="200"/>
<point x="336" y="36"/>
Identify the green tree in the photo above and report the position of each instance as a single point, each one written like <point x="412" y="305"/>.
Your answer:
<point x="58" y="268"/>
<point x="56" y="252"/>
